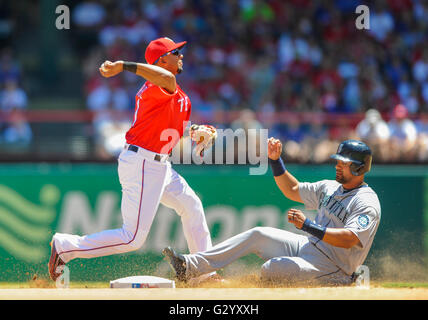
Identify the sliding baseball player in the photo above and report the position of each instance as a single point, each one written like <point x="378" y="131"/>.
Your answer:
<point x="337" y="243"/>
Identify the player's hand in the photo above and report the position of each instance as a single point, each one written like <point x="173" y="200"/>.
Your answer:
<point x="296" y="217"/>
<point x="109" y="69"/>
<point x="274" y="148"/>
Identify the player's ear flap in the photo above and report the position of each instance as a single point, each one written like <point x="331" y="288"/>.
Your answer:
<point x="368" y="163"/>
<point x="363" y="168"/>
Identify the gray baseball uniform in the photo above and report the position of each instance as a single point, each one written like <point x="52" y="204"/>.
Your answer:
<point x="292" y="257"/>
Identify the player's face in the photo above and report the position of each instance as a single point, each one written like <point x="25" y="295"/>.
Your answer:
<point x="343" y="172"/>
<point x="174" y="61"/>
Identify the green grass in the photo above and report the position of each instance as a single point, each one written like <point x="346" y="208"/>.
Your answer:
<point x="50" y="284"/>
<point x="404" y="285"/>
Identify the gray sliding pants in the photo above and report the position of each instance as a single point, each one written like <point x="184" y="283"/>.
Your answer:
<point x="289" y="257"/>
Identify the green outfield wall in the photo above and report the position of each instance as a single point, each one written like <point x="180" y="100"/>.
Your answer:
<point x="37" y="200"/>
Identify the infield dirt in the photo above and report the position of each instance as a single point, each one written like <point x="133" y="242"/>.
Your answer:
<point x="240" y="288"/>
<point x="336" y="293"/>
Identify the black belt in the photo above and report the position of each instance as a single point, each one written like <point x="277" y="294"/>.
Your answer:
<point x="135" y="149"/>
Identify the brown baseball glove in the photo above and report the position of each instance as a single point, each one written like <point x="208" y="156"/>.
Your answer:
<point x="203" y="135"/>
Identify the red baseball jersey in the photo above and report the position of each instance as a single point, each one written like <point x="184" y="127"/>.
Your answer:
<point x="160" y="118"/>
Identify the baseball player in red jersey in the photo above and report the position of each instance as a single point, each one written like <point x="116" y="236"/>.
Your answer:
<point x="162" y="111"/>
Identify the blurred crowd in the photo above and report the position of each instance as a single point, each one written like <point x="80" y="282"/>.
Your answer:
<point x="299" y="68"/>
<point x="399" y="140"/>
<point x="257" y="58"/>
<point x="15" y="131"/>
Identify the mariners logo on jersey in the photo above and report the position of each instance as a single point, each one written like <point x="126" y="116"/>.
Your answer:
<point x="363" y="220"/>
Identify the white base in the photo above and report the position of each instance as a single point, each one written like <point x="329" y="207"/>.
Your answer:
<point x="142" y="282"/>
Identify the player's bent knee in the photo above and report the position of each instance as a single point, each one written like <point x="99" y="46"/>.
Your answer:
<point x="134" y="245"/>
<point x="136" y="242"/>
<point x="258" y="233"/>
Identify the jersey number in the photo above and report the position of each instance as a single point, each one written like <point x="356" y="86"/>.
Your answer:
<point x="183" y="101"/>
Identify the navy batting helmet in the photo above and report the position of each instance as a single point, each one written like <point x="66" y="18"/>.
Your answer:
<point x="356" y="152"/>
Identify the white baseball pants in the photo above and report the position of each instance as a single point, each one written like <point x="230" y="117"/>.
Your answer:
<point x="288" y="257"/>
<point x="145" y="183"/>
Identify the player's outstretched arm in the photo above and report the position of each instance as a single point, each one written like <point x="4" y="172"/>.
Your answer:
<point x="155" y="74"/>
<point x="285" y="181"/>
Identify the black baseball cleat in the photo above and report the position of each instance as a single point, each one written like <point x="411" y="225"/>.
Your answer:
<point x="54" y="262"/>
<point x="177" y="263"/>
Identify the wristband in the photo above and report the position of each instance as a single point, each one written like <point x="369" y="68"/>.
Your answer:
<point x="314" y="229"/>
<point x="130" y="66"/>
<point x="277" y="166"/>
